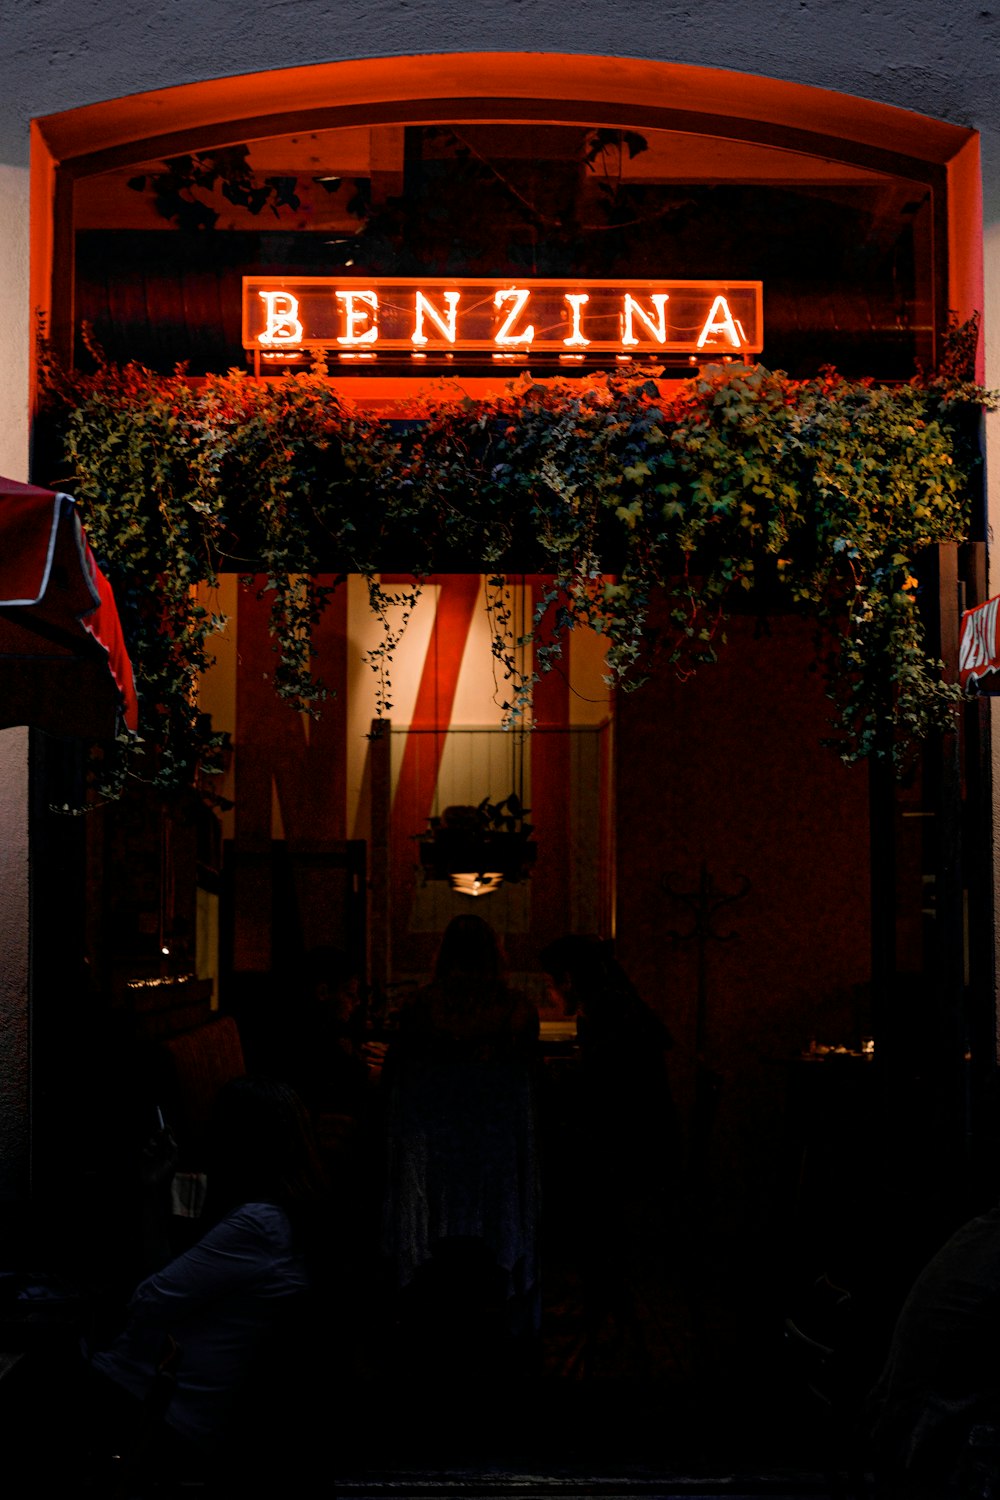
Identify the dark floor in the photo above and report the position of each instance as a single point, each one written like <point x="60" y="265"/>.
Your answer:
<point x="714" y="1411"/>
<point x="684" y="1378"/>
<point x="622" y="1482"/>
<point x="677" y="1378"/>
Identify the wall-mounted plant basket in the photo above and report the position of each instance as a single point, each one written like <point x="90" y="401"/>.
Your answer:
<point x="477" y="848"/>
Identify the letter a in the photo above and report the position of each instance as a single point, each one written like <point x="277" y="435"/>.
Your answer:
<point x="721" y="320"/>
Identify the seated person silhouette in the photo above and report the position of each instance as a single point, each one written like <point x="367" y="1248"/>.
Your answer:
<point x="210" y="1314"/>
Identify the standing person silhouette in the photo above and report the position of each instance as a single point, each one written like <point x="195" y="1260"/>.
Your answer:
<point x="462" y="1191"/>
<point x="626" y="1128"/>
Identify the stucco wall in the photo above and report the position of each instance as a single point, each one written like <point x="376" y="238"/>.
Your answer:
<point x="916" y="55"/>
<point x="941" y="60"/>
<point x="14" y="322"/>
<point x="13" y="963"/>
<point x="707" y="789"/>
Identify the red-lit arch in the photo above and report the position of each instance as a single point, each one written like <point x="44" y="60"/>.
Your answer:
<point x="511" y="86"/>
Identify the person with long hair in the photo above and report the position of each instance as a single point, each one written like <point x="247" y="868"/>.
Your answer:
<point x="461" y="1203"/>
<point x="469" y="1001"/>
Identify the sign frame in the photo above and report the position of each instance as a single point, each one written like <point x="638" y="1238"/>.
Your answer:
<point x="569" y="319"/>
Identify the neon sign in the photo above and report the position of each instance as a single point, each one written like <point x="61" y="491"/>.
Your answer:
<point x="422" y="316"/>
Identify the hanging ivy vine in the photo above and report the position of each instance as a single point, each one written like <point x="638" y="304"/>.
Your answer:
<point x="654" y="507"/>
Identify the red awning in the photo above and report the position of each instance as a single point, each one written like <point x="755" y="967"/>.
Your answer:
<point x="979" y="649"/>
<point x="63" y="663"/>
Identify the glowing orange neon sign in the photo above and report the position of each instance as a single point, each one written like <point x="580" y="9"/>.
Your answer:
<point x="445" y="316"/>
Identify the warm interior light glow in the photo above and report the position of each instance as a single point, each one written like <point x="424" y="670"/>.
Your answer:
<point x="469" y="883"/>
<point x="174" y="980"/>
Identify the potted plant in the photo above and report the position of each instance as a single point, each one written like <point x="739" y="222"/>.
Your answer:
<point x="478" y="847"/>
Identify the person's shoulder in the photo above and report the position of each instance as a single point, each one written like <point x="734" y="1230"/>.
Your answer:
<point x="266" y="1223"/>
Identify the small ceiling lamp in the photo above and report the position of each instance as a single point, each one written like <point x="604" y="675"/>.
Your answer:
<point x="483" y="884"/>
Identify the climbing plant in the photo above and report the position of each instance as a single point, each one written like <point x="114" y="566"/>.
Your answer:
<point x="654" y="507"/>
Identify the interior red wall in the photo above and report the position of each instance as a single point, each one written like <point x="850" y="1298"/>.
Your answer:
<point x="281" y="758"/>
<point x="728" y="770"/>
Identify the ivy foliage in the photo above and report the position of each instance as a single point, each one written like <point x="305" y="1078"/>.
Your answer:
<point x="655" y="508"/>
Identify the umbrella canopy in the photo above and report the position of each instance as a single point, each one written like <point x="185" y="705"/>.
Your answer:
<point x="979" y="649"/>
<point x="63" y="663"/>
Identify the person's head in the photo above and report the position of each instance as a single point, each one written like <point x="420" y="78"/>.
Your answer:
<point x="470" y="949"/>
<point x="330" y="979"/>
<point x="262" y="1148"/>
<point x="587" y="978"/>
<point x="583" y="973"/>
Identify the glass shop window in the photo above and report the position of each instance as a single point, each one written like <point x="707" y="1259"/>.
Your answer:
<point x="845" y="253"/>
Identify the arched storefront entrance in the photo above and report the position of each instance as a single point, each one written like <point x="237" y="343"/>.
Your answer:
<point x="722" y="788"/>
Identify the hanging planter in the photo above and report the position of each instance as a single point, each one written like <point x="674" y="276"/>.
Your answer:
<point x="477" y="848"/>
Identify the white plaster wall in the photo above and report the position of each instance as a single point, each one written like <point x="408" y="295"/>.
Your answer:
<point x="925" y="55"/>
<point x="14" y="1142"/>
<point x="935" y="58"/>
<point x="990" y="147"/>
<point x="14" y="322"/>
<point x="14" y="949"/>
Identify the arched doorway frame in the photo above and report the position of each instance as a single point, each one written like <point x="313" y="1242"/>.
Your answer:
<point x="515" y="86"/>
<point x="73" y="145"/>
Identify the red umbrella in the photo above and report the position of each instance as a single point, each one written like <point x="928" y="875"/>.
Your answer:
<point x="63" y="662"/>
<point x="979" y="649"/>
